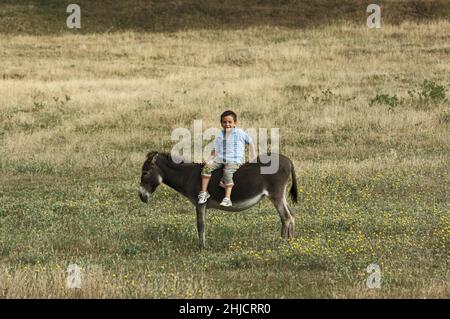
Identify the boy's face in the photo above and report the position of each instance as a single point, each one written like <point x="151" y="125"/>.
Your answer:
<point x="228" y="122"/>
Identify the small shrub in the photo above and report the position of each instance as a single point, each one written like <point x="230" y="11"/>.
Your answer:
<point x="383" y="99"/>
<point x="430" y="92"/>
<point x="433" y="91"/>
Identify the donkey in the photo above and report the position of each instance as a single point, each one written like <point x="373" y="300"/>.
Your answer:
<point x="250" y="187"/>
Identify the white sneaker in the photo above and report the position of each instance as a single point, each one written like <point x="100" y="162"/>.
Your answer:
<point x="226" y="202"/>
<point x="203" y="197"/>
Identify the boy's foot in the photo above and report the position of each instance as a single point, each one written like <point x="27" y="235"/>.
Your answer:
<point x="203" y="197"/>
<point x="226" y="202"/>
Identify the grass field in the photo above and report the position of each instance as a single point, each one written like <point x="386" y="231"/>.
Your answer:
<point x="364" y="114"/>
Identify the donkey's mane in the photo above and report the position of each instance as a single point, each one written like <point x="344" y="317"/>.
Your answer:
<point x="168" y="159"/>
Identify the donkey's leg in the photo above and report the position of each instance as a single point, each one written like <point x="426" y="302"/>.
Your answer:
<point x="284" y="216"/>
<point x="291" y="219"/>
<point x="201" y="212"/>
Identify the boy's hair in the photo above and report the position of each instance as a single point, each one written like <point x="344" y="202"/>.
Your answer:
<point x="227" y="113"/>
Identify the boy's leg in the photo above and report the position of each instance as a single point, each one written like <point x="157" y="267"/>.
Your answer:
<point x="205" y="182"/>
<point x="228" y="172"/>
<point x="228" y="189"/>
<point x="206" y="174"/>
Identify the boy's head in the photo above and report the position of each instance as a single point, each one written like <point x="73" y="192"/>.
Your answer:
<point x="228" y="119"/>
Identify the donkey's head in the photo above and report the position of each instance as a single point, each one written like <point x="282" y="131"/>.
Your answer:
<point x="150" y="177"/>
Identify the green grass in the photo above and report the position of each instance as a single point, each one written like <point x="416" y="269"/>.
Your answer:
<point x="343" y="224"/>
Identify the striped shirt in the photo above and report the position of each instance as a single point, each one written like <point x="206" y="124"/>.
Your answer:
<point x="232" y="148"/>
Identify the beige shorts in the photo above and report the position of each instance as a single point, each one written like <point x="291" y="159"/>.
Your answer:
<point x="228" y="170"/>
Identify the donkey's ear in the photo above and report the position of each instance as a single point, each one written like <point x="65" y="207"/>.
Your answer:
<point x="154" y="158"/>
<point x="151" y="156"/>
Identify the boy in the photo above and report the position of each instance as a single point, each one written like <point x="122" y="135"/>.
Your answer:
<point x="228" y="153"/>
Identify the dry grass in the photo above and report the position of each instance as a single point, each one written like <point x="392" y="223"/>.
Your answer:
<point x="79" y="112"/>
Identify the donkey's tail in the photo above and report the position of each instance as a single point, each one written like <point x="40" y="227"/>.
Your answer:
<point x="293" y="191"/>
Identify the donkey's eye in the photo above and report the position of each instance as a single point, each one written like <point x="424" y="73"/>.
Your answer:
<point x="145" y="175"/>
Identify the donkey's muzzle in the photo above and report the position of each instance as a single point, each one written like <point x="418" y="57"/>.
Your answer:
<point x="143" y="194"/>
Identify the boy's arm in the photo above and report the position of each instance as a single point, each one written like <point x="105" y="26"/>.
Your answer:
<point x="253" y="154"/>
<point x="210" y="157"/>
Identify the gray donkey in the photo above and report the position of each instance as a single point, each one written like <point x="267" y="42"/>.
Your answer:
<point x="250" y="187"/>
